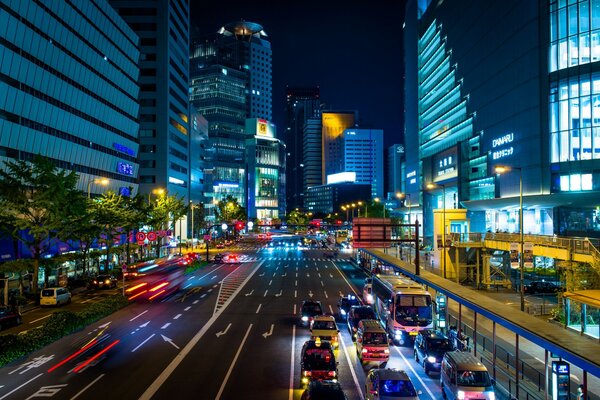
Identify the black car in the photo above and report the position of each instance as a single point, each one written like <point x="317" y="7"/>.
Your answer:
<point x="324" y="390"/>
<point x="535" y="287"/>
<point x="355" y="315"/>
<point x="104" y="282"/>
<point x="309" y="310"/>
<point x="317" y="362"/>
<point x="9" y="317"/>
<point x="346" y="303"/>
<point x="218" y="258"/>
<point x="430" y="347"/>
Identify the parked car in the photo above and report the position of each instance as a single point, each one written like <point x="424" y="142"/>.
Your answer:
<point x="54" y="296"/>
<point x="536" y="287"/>
<point x="9" y="317"/>
<point x="104" y="282"/>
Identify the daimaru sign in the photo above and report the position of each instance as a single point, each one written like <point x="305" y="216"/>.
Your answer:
<point x="502" y="146"/>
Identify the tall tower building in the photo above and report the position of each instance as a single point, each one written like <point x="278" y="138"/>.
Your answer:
<point x="395" y="159"/>
<point x="362" y="151"/>
<point x="302" y="103"/>
<point x="312" y="155"/>
<point x="333" y="125"/>
<point x="163" y="28"/>
<point x="231" y="80"/>
<point x="68" y="96"/>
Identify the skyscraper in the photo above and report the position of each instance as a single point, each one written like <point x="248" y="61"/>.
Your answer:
<point x="333" y="125"/>
<point x="395" y="158"/>
<point x="312" y="154"/>
<point x="163" y="28"/>
<point x="231" y="81"/>
<point x="68" y="96"/>
<point x="362" y="153"/>
<point x="301" y="103"/>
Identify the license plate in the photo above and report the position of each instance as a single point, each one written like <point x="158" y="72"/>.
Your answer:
<point x="413" y="333"/>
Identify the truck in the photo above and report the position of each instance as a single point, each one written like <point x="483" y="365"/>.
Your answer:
<point x="403" y="307"/>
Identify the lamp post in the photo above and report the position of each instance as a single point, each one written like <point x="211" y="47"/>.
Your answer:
<point x="99" y="181"/>
<point x="435" y="186"/>
<point x="376" y="200"/>
<point x="157" y="192"/>
<point x="501" y="169"/>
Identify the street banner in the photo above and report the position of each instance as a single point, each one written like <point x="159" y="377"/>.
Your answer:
<point x="528" y="255"/>
<point x="514" y="255"/>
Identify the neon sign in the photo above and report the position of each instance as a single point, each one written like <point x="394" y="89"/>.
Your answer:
<point x="501" y="144"/>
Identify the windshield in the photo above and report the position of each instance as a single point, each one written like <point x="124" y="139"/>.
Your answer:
<point x="396" y="388"/>
<point x="413" y="310"/>
<point x="48" y="292"/>
<point x="473" y="378"/>
<point x="324" y="325"/>
<point x="364" y="314"/>
<point x="440" y="344"/>
<point x="375" y="338"/>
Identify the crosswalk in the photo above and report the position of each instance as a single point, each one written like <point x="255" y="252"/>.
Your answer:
<point x="266" y="258"/>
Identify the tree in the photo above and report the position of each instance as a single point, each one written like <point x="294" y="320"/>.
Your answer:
<point x="229" y="209"/>
<point x="39" y="202"/>
<point x="297" y="217"/>
<point x="198" y="217"/>
<point x="164" y="212"/>
<point x="136" y="215"/>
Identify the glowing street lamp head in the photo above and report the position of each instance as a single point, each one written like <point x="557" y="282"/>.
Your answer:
<point x="501" y="169"/>
<point x="224" y="227"/>
<point x="102" y="181"/>
<point x="400" y="195"/>
<point x="431" y="186"/>
<point x="376" y="200"/>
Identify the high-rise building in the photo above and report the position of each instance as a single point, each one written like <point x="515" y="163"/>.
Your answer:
<point x="394" y="166"/>
<point x="163" y="28"/>
<point x="362" y="153"/>
<point x="333" y="125"/>
<point x="312" y="155"/>
<point x="231" y="81"/>
<point x="301" y="103"/>
<point x="69" y="91"/>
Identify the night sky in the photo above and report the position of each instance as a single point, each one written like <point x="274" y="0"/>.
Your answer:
<point x="351" y="49"/>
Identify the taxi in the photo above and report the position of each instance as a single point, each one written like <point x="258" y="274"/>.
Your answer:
<point x="317" y="362"/>
<point x="324" y="328"/>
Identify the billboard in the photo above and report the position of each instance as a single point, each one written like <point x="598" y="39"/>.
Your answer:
<point x="371" y="232"/>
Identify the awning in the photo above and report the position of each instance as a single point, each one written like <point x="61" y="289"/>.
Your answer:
<point x="589" y="297"/>
<point x="570" y="199"/>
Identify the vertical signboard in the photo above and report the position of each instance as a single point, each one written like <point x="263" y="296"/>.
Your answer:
<point x="528" y="255"/>
<point x="560" y="380"/>
<point x="514" y="255"/>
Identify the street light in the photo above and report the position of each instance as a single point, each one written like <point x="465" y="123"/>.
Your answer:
<point x="406" y="196"/>
<point x="157" y="192"/>
<point x="98" y="181"/>
<point x="376" y="200"/>
<point x="431" y="186"/>
<point x="501" y="169"/>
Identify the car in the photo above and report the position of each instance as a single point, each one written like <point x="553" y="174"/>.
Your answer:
<point x="345" y="303"/>
<point x="309" y="310"/>
<point x="231" y="258"/>
<point x="317" y="362"/>
<point x="429" y="349"/>
<point x="389" y="384"/>
<point x="54" y="296"/>
<point x="324" y="327"/>
<point x="355" y="315"/>
<point x="541" y="287"/>
<point x="9" y="317"/>
<point x="104" y="282"/>
<point x="218" y="258"/>
<point x="220" y="246"/>
<point x="324" y="390"/>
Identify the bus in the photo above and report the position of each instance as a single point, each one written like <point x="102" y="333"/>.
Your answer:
<point x="403" y="306"/>
<point x="157" y="279"/>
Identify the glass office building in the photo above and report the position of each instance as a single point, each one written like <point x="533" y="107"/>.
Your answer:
<point x="69" y="91"/>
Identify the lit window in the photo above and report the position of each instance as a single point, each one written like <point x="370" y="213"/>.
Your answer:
<point x="586" y="182"/>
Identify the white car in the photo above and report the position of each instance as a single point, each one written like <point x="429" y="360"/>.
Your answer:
<point x="54" y="296"/>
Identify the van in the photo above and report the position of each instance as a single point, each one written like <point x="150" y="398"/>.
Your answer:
<point x="54" y="296"/>
<point x="462" y="376"/>
<point x="372" y="342"/>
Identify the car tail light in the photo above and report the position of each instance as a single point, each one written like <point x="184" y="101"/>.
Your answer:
<point x="331" y="373"/>
<point x="307" y="373"/>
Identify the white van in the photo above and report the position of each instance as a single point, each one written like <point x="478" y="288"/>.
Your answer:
<point x="372" y="343"/>
<point x="54" y="296"/>
<point x="462" y="376"/>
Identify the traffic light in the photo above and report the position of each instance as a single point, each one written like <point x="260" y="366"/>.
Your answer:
<point x="239" y="225"/>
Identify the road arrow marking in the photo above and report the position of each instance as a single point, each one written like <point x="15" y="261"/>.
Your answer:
<point x="279" y="294"/>
<point x="267" y="334"/>
<point x="263" y="274"/>
<point x="250" y="294"/>
<point x="166" y="339"/>
<point x="284" y="275"/>
<point x="310" y="294"/>
<point x="219" y="334"/>
<point x="144" y="324"/>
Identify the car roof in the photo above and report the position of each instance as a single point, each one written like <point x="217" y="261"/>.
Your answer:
<point x="391" y="374"/>
<point x="311" y="302"/>
<point x="311" y="344"/>
<point x="431" y="334"/>
<point x="362" y="308"/>
<point x="324" y="318"/>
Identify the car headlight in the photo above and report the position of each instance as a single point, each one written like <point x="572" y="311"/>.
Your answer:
<point x="460" y="395"/>
<point x="431" y="359"/>
<point x="491" y="395"/>
<point x="343" y="312"/>
<point x="398" y="334"/>
<point x="369" y="298"/>
<point x="304" y="318"/>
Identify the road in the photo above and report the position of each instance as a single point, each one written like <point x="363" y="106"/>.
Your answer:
<point x="231" y="331"/>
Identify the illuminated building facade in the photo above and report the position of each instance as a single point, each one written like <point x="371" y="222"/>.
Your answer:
<point x="362" y="151"/>
<point x="333" y="124"/>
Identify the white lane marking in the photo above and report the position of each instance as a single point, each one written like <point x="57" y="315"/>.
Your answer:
<point x="177" y="316"/>
<point x="203" y="296"/>
<point x="322" y="284"/>
<point x="271" y="281"/>
<point x="165" y="326"/>
<point x="292" y="361"/>
<point x="267" y="334"/>
<point x="87" y="387"/>
<point x="187" y="308"/>
<point x="274" y="273"/>
<point x="331" y="275"/>
<point x="266" y="291"/>
<point x="39" y="319"/>
<point x="233" y="363"/>
<point x="190" y="278"/>
<point x="19" y="387"/>
<point x="258" y="309"/>
<point x="86" y="301"/>
<point x="414" y="372"/>
<point x="160" y="380"/>
<point x="295" y="293"/>
<point x="346" y="280"/>
<point x="141" y="344"/>
<point x="326" y="297"/>
<point x="196" y="301"/>
<point x="139" y="315"/>
<point x="330" y="309"/>
<point x="187" y="286"/>
<point x="295" y="283"/>
<point x="209" y="290"/>
<point x="294" y="309"/>
<point x="214" y="286"/>
<point x="296" y="274"/>
<point x="318" y="273"/>
<point x="214" y="277"/>
<point x="358" y="389"/>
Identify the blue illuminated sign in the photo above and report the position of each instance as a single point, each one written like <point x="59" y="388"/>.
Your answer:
<point x="124" y="168"/>
<point x="124" y="149"/>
